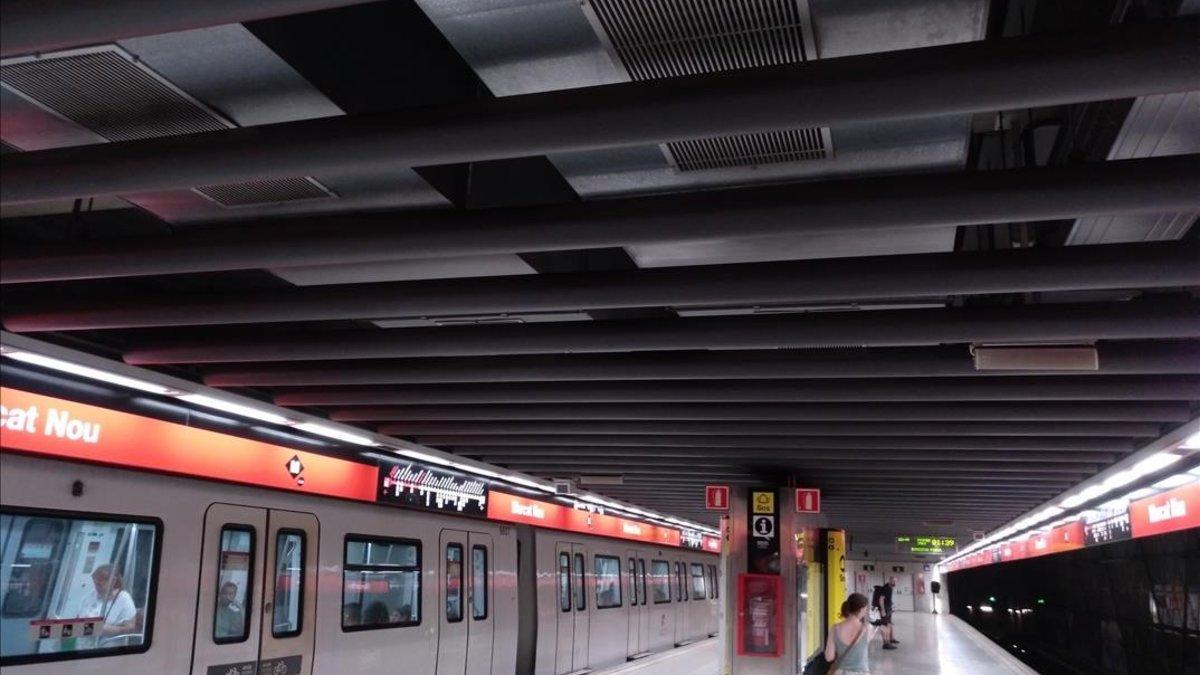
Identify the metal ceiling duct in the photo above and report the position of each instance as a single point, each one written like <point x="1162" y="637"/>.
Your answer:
<point x="535" y="444"/>
<point x="1048" y="388"/>
<point x="1116" y="358"/>
<point x="738" y="455"/>
<point x="1049" y="411"/>
<point x="1022" y="72"/>
<point x="892" y="429"/>
<point x="1021" y="324"/>
<point x="1159" y="265"/>
<point x="37" y="26"/>
<point x="841" y="206"/>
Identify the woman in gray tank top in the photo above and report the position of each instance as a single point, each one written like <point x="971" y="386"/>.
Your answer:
<point x="846" y="647"/>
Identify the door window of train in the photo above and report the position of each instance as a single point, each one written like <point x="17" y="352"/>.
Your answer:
<point x="698" y="590"/>
<point x="235" y="579"/>
<point x="580" y="596"/>
<point x="680" y="585"/>
<point x="75" y="586"/>
<point x="608" y="581"/>
<point x="381" y="583"/>
<point x="288" y="603"/>
<point x="564" y="581"/>
<point x="713" y="588"/>
<point x="660" y="581"/>
<point x="642" y="580"/>
<point x="479" y="580"/>
<point x="454" y="582"/>
<point x="633" y="584"/>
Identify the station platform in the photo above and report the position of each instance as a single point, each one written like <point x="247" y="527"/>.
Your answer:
<point x="942" y="644"/>
<point x="931" y="644"/>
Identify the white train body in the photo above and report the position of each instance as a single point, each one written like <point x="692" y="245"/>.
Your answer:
<point x="324" y="585"/>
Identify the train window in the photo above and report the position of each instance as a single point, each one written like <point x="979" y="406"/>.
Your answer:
<point x="633" y="584"/>
<point x="698" y="590"/>
<point x="75" y="586"/>
<point x="714" y="589"/>
<point x="660" y="581"/>
<point x="642" y="580"/>
<point x="454" y="582"/>
<point x="288" y="604"/>
<point x="564" y="581"/>
<point x="235" y="580"/>
<point x="479" y="583"/>
<point x="381" y="583"/>
<point x="608" y="581"/>
<point x="580" y="596"/>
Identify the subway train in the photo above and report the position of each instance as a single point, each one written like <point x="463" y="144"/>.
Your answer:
<point x="116" y="570"/>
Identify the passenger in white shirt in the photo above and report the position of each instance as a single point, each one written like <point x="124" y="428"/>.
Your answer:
<point x="111" y="601"/>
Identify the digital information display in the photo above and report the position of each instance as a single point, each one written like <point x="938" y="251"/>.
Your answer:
<point x="930" y="545"/>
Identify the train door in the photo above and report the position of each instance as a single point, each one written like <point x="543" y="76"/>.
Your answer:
<point x="565" y="640"/>
<point x="466" y="628"/>
<point x="582" y="611"/>
<point x="679" y="581"/>
<point x="643" y="607"/>
<point x="257" y="592"/>
<point x="636" y="608"/>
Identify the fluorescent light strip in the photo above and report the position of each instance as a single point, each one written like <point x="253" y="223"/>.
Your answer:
<point x="336" y="434"/>
<point x="234" y="408"/>
<point x="89" y="372"/>
<point x="1174" y="481"/>
<point x="1155" y="463"/>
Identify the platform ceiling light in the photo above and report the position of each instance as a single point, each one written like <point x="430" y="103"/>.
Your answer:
<point x="1156" y="462"/>
<point x="89" y="372"/>
<point x="1174" y="481"/>
<point x="1192" y="442"/>
<point x="234" y="408"/>
<point x="1123" y="478"/>
<point x="335" y="433"/>
<point x="423" y="457"/>
<point x="1138" y="494"/>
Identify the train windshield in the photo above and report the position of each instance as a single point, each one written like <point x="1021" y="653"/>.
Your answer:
<point x="74" y="584"/>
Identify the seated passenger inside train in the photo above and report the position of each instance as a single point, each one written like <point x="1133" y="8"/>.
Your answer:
<point x="73" y="584"/>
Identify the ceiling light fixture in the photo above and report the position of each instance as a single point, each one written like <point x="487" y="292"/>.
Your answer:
<point x="335" y="433"/>
<point x="234" y="408"/>
<point x="89" y="372"/>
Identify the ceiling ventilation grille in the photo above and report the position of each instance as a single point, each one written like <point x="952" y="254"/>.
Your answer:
<point x="673" y="38"/>
<point x="106" y="91"/>
<point x="255" y="193"/>
<point x="795" y="145"/>
<point x="109" y="92"/>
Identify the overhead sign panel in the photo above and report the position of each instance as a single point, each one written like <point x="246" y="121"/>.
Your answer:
<point x="926" y="544"/>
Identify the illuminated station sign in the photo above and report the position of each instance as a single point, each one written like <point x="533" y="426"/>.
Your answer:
<point x="926" y="545"/>
<point x="1168" y="511"/>
<point x="43" y="425"/>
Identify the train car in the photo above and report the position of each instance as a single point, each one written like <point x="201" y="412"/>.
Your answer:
<point x="106" y="569"/>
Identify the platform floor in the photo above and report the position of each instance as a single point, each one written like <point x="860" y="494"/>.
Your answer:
<point x="942" y="644"/>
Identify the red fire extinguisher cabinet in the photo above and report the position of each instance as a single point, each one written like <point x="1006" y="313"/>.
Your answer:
<point x="760" y="615"/>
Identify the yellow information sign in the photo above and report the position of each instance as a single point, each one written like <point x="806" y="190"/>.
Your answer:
<point x="835" y="574"/>
<point x="763" y="502"/>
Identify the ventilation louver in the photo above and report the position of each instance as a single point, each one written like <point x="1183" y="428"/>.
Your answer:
<point x="259" y="192"/>
<point x="109" y="92"/>
<point x="673" y="38"/>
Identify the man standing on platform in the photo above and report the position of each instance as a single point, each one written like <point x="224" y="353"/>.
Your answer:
<point x="882" y="600"/>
